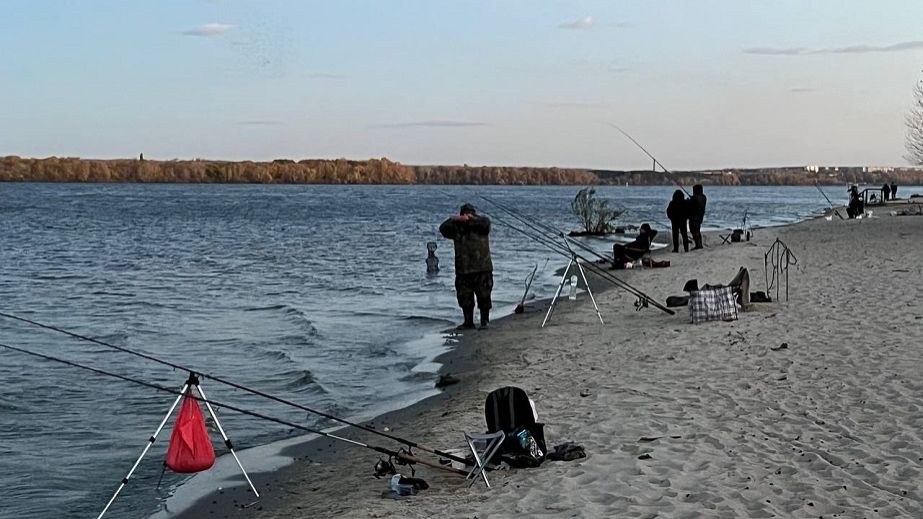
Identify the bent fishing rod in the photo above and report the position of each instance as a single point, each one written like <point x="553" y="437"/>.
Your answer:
<point x="656" y="162"/>
<point x="235" y="385"/>
<point x="563" y="250"/>
<point x="549" y="239"/>
<point x="402" y="455"/>
<point x="828" y="200"/>
<point x="568" y="253"/>
<point x="545" y="229"/>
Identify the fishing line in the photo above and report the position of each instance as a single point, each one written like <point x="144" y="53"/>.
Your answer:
<point x="538" y="226"/>
<point x="644" y="299"/>
<point x="406" y="456"/>
<point x="561" y="249"/>
<point x="656" y="162"/>
<point x="226" y="382"/>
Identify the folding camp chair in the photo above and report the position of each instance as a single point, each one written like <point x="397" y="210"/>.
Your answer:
<point x="733" y="237"/>
<point x="505" y="410"/>
<point x="509" y="410"/>
<point x="483" y="447"/>
<point x="639" y="249"/>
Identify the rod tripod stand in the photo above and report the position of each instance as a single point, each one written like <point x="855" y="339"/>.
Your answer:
<point x="573" y="261"/>
<point x="191" y="384"/>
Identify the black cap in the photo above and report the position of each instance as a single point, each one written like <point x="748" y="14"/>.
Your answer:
<point x="646" y="228"/>
<point x="468" y="208"/>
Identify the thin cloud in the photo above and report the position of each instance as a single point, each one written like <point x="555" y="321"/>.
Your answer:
<point x="258" y="123"/>
<point x="612" y="66"/>
<point x="802" y="90"/>
<point x="770" y="51"/>
<point x="851" y="49"/>
<point x="324" y="75"/>
<point x="583" y="23"/>
<point x="433" y="124"/>
<point x="863" y="49"/>
<point x="573" y="104"/>
<point x="210" y="29"/>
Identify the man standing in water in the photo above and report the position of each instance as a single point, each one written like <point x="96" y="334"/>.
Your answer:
<point x="697" y="214"/>
<point x="473" y="269"/>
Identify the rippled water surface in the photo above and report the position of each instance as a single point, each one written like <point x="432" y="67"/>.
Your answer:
<point x="314" y="293"/>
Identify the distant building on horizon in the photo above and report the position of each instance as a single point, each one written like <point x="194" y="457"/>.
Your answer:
<point x="850" y="169"/>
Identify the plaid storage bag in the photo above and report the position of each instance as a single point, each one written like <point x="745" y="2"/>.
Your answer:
<point x="712" y="304"/>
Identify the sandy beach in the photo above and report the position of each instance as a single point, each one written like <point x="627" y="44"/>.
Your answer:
<point x="809" y="407"/>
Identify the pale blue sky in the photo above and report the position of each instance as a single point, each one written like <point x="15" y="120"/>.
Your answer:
<point x="511" y="82"/>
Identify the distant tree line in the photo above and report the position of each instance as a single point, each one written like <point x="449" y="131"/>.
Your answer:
<point x="339" y="171"/>
<point x="384" y="171"/>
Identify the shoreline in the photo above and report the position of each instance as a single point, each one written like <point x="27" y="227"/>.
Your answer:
<point x="460" y="360"/>
<point x="234" y="492"/>
<point x="328" y="480"/>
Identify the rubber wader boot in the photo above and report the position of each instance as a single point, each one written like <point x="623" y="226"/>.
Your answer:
<point x="469" y="319"/>
<point x="485" y="317"/>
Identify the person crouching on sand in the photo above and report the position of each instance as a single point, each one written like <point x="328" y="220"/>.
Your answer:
<point x="474" y="276"/>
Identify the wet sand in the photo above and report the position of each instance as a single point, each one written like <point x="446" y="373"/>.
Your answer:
<point x="802" y="408"/>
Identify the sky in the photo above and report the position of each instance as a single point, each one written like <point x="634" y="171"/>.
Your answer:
<point x="701" y="84"/>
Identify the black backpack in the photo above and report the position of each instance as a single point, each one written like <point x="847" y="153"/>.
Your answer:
<point x="508" y="409"/>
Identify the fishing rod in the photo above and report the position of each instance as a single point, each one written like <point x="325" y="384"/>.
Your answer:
<point x="550" y="231"/>
<point x="828" y="200"/>
<point x="552" y="242"/>
<point x="402" y="455"/>
<point x="226" y="382"/>
<point x="520" y="308"/>
<point x="656" y="162"/>
<point x="542" y="227"/>
<point x="568" y="253"/>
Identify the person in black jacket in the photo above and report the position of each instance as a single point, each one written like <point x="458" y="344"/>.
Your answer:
<point x="856" y="205"/>
<point x="697" y="214"/>
<point x="635" y="250"/>
<point x="893" y="191"/>
<point x="473" y="268"/>
<point x="679" y="218"/>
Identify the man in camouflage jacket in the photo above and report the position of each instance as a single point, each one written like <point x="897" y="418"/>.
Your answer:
<point x="473" y="268"/>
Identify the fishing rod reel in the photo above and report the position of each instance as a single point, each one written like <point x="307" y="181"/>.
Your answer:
<point x="403" y="461"/>
<point x="641" y="303"/>
<point x="388" y="467"/>
<point x="384" y="468"/>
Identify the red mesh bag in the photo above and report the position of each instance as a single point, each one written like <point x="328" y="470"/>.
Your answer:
<point x="190" y="447"/>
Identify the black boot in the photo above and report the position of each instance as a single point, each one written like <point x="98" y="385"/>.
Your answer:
<point x="469" y="319"/>
<point x="485" y="317"/>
